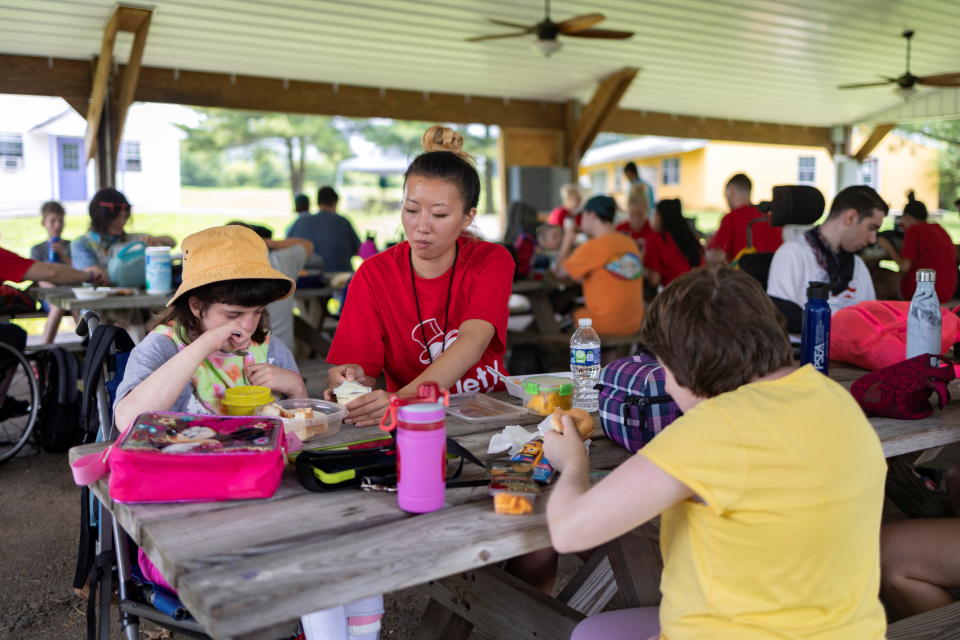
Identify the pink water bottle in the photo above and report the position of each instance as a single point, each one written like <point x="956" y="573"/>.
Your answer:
<point x="421" y="447"/>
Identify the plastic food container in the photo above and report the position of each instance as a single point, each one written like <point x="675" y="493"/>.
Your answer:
<point x="245" y="400"/>
<point x="543" y="394"/>
<point x="90" y="293"/>
<point x="322" y="418"/>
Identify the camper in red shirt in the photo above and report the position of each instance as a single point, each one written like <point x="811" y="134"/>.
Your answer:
<point x="433" y="307"/>
<point x="731" y="238"/>
<point x="672" y="249"/>
<point x="925" y="246"/>
<point x="637" y="226"/>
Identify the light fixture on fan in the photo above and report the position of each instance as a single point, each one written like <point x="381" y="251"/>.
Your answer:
<point x="905" y="92"/>
<point x="546" y="47"/>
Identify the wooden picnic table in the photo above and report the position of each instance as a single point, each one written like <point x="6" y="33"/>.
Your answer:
<point x="543" y="295"/>
<point x="64" y="298"/>
<point x="249" y="569"/>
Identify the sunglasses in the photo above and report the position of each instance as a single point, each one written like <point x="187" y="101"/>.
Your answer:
<point x="119" y="207"/>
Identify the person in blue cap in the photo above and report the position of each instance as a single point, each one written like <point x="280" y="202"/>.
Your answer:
<point x="610" y="267"/>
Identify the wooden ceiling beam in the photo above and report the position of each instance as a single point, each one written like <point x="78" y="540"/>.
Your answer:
<point x="878" y="134"/>
<point x="605" y="99"/>
<point x="641" y="123"/>
<point x="71" y="79"/>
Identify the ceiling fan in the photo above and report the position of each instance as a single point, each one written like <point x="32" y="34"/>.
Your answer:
<point x="906" y="83"/>
<point x="547" y="30"/>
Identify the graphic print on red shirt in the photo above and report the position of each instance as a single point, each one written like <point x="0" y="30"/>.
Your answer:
<point x="641" y="237"/>
<point x="380" y="331"/>
<point x="731" y="237"/>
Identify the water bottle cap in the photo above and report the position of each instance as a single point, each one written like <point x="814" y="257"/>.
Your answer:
<point x="421" y="413"/>
<point x="586" y="322"/>
<point x="926" y="275"/>
<point x="818" y="290"/>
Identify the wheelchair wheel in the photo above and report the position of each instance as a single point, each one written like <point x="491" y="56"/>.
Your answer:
<point x="19" y="408"/>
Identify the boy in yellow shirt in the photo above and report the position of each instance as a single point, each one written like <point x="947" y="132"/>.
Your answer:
<point x="770" y="484"/>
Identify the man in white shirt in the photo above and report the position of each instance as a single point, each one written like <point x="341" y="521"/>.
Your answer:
<point x="826" y="253"/>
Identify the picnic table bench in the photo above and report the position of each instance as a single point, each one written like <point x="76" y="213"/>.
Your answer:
<point x="249" y="569"/>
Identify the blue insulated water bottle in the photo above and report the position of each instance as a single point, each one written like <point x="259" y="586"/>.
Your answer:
<point x="52" y="255"/>
<point x="815" y="347"/>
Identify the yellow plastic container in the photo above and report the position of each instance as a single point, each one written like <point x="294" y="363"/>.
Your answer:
<point x="245" y="400"/>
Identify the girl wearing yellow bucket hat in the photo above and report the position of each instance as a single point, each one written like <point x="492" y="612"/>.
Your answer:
<point x="215" y="334"/>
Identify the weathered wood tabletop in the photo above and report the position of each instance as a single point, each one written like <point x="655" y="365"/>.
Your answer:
<point x="248" y="569"/>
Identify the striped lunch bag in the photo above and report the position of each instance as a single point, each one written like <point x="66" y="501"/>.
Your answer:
<point x="634" y="406"/>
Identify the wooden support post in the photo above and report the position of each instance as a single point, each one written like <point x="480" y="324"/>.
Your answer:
<point x="138" y="21"/>
<point x="878" y="133"/>
<point x="107" y="113"/>
<point x="636" y="563"/>
<point x="595" y="113"/>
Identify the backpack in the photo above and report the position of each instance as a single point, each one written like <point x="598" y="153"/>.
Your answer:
<point x="57" y="426"/>
<point x="634" y="405"/>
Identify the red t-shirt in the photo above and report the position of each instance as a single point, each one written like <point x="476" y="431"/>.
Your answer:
<point x="928" y="246"/>
<point x="663" y="255"/>
<point x="379" y="328"/>
<point x="642" y="237"/>
<point x="12" y="266"/>
<point x="732" y="234"/>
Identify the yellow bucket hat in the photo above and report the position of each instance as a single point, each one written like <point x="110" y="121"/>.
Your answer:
<point x="225" y="253"/>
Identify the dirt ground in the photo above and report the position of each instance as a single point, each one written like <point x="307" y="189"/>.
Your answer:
<point x="39" y="527"/>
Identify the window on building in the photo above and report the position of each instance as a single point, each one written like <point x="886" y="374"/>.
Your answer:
<point x="671" y="171"/>
<point x="11" y="151"/>
<point x="598" y="181"/>
<point x="130" y="156"/>
<point x="869" y="172"/>
<point x="806" y="169"/>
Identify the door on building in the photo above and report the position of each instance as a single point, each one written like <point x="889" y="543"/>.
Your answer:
<point x="71" y="169"/>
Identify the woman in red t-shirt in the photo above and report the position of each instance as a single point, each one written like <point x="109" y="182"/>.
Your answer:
<point x="433" y="307"/>
<point x="672" y="249"/>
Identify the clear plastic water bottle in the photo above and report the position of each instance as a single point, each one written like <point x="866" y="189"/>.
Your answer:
<point x="585" y="365"/>
<point x="923" y="322"/>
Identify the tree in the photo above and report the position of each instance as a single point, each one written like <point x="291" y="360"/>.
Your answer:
<point x="404" y="137"/>
<point x="947" y="132"/>
<point x="294" y="135"/>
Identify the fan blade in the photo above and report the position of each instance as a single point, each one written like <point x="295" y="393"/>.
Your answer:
<point x="579" y="23"/>
<point x="867" y="84"/>
<point x="496" y="36"/>
<point x="609" y="34"/>
<point x="941" y="80"/>
<point x="504" y="23"/>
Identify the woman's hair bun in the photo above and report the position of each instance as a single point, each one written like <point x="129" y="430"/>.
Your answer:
<point x="911" y="197"/>
<point x="441" y="138"/>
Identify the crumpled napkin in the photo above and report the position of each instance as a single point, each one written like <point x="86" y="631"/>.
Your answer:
<point x="513" y="437"/>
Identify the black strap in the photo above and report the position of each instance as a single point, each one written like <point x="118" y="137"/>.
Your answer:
<point x="85" y="548"/>
<point x="104" y="339"/>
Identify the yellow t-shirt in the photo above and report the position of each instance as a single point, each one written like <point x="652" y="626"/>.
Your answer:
<point x="786" y="540"/>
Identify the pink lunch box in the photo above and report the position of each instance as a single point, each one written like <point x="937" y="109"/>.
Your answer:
<point x="180" y="457"/>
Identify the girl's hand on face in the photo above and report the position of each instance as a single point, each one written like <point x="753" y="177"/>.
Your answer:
<point x="367" y="410"/>
<point x="562" y="449"/>
<point x="339" y="374"/>
<point x="227" y="337"/>
<point x="278" y="379"/>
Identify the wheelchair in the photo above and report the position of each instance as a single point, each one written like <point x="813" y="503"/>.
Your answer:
<point x="107" y="558"/>
<point x="21" y="403"/>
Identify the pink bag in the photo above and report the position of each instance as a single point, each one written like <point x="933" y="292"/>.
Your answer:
<point x="873" y="334"/>
<point x="181" y="457"/>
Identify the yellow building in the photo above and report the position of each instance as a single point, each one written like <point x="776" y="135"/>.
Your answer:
<point x="696" y="171"/>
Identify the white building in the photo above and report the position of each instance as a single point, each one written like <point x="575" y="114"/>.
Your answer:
<point x="42" y="156"/>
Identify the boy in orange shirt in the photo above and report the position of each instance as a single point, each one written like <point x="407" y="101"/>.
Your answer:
<point x="610" y="267"/>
